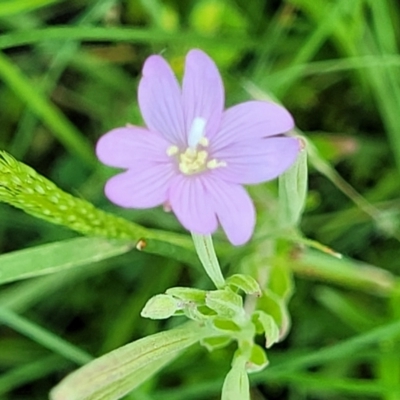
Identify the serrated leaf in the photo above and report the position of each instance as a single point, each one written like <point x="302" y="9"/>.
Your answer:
<point x="246" y="283"/>
<point x="115" y="374"/>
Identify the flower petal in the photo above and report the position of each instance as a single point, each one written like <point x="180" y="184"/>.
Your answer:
<point x="250" y="120"/>
<point x="123" y="147"/>
<point x="191" y="205"/>
<point x="203" y="92"/>
<point x="234" y="208"/>
<point x="144" y="187"/>
<point x="160" y="100"/>
<point x="258" y="160"/>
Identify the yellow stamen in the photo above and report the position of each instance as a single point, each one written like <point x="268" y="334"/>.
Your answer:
<point x="194" y="159"/>
<point x="172" y="150"/>
<point x="213" y="164"/>
<point x="204" y="141"/>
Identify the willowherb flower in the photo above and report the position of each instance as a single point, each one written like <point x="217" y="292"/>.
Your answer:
<point x="194" y="156"/>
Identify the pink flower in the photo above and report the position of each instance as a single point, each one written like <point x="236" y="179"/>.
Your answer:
<point x="195" y="156"/>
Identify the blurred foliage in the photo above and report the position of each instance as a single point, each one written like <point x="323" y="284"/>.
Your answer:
<point x="69" y="72"/>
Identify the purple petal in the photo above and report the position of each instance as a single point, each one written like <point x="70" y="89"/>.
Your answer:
<point x="191" y="205"/>
<point x="144" y="187"/>
<point x="257" y="160"/>
<point x="250" y="120"/>
<point x="160" y="100"/>
<point x="234" y="208"/>
<point x="203" y="92"/>
<point x="123" y="147"/>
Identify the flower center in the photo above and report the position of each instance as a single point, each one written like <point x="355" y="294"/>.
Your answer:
<point x="195" y="158"/>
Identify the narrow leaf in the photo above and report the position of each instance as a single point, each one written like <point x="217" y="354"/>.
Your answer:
<point x="56" y="257"/>
<point x="115" y="374"/>
<point x="206" y="252"/>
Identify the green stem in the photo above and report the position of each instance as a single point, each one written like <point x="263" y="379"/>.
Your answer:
<point x="206" y="252"/>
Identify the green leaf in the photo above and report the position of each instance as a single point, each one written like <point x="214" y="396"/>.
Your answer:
<point x="273" y="305"/>
<point x="206" y="252"/>
<point x="215" y="343"/>
<point x="225" y="303"/>
<point x="161" y="306"/>
<point x="224" y="324"/>
<point x="236" y="385"/>
<point x="280" y="279"/>
<point x="117" y="373"/>
<point x="268" y="326"/>
<point x="258" y="359"/>
<point x="293" y="191"/>
<point x="187" y="294"/>
<point x="59" y="256"/>
<point x="244" y="282"/>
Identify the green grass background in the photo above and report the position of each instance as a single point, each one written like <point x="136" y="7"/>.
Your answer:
<point x="69" y="72"/>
